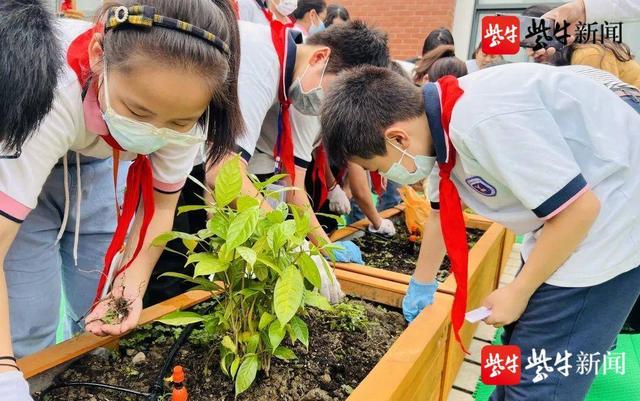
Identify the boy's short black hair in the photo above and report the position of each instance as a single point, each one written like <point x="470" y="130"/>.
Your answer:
<point x="30" y="60"/>
<point x="352" y="44"/>
<point x="361" y="104"/>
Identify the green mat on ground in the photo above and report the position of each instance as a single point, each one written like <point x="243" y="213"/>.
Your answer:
<point x="610" y="387"/>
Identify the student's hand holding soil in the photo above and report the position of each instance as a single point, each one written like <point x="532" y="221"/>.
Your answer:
<point x="116" y="314"/>
<point x="507" y="305"/>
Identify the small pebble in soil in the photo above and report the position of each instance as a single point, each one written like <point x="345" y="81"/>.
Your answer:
<point x="139" y="358"/>
<point x="131" y="352"/>
<point x="325" y="378"/>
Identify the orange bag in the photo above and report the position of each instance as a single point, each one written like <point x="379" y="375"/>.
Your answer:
<point x="417" y="209"/>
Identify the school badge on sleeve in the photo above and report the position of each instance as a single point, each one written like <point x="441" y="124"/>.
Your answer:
<point x="481" y="186"/>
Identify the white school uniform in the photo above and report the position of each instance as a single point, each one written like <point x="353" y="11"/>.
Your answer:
<point x="250" y="11"/>
<point x="258" y="81"/>
<point x="530" y="140"/>
<point x="65" y="129"/>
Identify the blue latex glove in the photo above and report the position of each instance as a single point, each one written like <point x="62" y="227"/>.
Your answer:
<point x="419" y="296"/>
<point x="350" y="254"/>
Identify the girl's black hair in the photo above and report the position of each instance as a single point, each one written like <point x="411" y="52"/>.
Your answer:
<point x="168" y="46"/>
<point x="30" y="60"/>
<point x="336" y="11"/>
<point x="435" y="38"/>
<point x="304" y="6"/>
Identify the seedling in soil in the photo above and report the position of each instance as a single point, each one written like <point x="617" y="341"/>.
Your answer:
<point x="349" y="317"/>
<point x="260" y="266"/>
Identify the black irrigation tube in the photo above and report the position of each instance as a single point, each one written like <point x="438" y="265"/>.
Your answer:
<point x="156" y="388"/>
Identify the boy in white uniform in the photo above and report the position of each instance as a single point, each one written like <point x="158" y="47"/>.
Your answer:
<point x="539" y="150"/>
<point x="309" y="68"/>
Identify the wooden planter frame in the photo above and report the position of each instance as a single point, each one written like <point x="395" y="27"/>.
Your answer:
<point x="412" y="369"/>
<point x="421" y="364"/>
<point x="487" y="260"/>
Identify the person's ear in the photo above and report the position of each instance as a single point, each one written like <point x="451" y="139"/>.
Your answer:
<point x="321" y="56"/>
<point x="425" y="79"/>
<point x="96" y="53"/>
<point x="398" y="136"/>
<point x="313" y="16"/>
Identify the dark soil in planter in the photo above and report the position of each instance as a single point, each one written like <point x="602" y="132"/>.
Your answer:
<point x="336" y="362"/>
<point x="399" y="254"/>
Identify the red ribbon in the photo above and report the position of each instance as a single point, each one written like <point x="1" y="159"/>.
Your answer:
<point x="283" y="149"/>
<point x="451" y="218"/>
<point x="139" y="177"/>
<point x="320" y="174"/>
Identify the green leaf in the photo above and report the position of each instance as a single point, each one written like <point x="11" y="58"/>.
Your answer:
<point x="162" y="239"/>
<point x="179" y="318"/>
<point x="288" y="294"/>
<point x="261" y="271"/>
<point x="202" y="282"/>
<point x="228" y="343"/>
<point x="284" y="353"/>
<point x="234" y="366"/>
<point x="190" y="208"/>
<point x="265" y="320"/>
<point x="218" y="225"/>
<point x="209" y="265"/>
<point x="309" y="269"/>
<point x="248" y="254"/>
<point x="300" y="330"/>
<point x="276" y="333"/>
<point x="247" y="373"/>
<point x="246" y="202"/>
<point x="252" y="343"/>
<point x="242" y="227"/>
<point x="190" y="244"/>
<point x="275" y="217"/>
<point x="316" y="300"/>
<point x="267" y="261"/>
<point x="228" y="182"/>
<point x="279" y="234"/>
<point x="272" y="180"/>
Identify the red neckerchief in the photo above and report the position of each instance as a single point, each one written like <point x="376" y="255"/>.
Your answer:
<point x="139" y="177"/>
<point x="319" y="174"/>
<point x="451" y="218"/>
<point x="283" y="149"/>
<point x="376" y="182"/>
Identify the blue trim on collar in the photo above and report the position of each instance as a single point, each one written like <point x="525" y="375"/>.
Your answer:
<point x="294" y="37"/>
<point x="434" y="117"/>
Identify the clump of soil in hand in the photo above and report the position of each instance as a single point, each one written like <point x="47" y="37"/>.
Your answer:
<point x="336" y="362"/>
<point x="118" y="311"/>
<point x="400" y="253"/>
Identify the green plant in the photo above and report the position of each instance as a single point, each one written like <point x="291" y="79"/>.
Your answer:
<point x="260" y="266"/>
<point x="348" y="316"/>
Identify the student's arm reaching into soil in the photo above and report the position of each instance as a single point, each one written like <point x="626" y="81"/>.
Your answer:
<point x="432" y="250"/>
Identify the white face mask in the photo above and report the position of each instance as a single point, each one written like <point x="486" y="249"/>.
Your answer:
<point x="287" y="7"/>
<point x="399" y="174"/>
<point x="307" y="103"/>
<point x="144" y="138"/>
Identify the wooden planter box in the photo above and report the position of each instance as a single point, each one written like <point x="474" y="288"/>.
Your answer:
<point x="487" y="259"/>
<point x="412" y="369"/>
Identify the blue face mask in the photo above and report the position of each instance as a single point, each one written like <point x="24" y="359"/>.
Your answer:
<point x="143" y="138"/>
<point x="399" y="174"/>
<point x="315" y="28"/>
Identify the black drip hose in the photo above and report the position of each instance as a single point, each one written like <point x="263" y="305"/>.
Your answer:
<point x="156" y="388"/>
